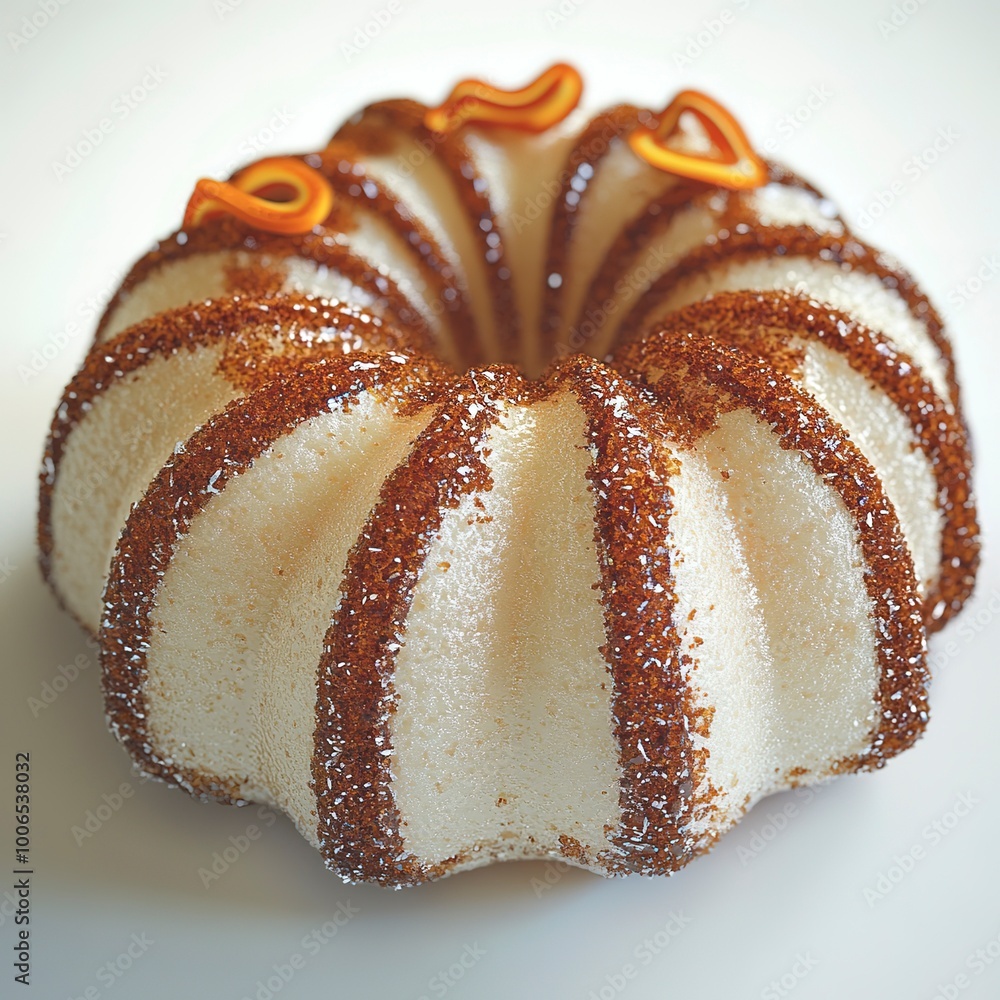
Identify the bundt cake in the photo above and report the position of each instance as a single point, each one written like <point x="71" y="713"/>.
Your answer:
<point x="499" y="482"/>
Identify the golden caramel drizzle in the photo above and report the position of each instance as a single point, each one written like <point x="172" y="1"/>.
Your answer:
<point x="731" y="164"/>
<point x="246" y="197"/>
<point x="544" y="102"/>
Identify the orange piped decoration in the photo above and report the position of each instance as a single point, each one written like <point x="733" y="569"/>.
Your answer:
<point x="246" y="197"/>
<point x="540" y="105"/>
<point x="732" y="164"/>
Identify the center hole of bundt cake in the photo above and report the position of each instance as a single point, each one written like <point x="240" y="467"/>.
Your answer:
<point x="504" y="332"/>
<point x="539" y="305"/>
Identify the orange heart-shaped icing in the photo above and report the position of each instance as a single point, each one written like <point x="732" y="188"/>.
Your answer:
<point x="731" y="164"/>
<point x="543" y="103"/>
<point x="309" y="197"/>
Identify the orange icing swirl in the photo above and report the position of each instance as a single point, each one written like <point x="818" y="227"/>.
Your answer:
<point x="246" y="197"/>
<point x="543" y="103"/>
<point x="731" y="164"/>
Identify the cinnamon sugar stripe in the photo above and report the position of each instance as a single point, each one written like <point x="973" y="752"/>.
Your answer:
<point x="353" y="184"/>
<point x="778" y="173"/>
<point x="368" y="132"/>
<point x="359" y="823"/>
<point x="221" y="450"/>
<point x="653" y="713"/>
<point x="262" y="338"/>
<point x="732" y="209"/>
<point x="582" y="164"/>
<point x="775" y="242"/>
<point x="705" y="379"/>
<point x="653" y="717"/>
<point x="263" y="275"/>
<point x="765" y="324"/>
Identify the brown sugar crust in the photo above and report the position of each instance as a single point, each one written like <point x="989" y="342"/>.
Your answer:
<point x="370" y="131"/>
<point x="216" y="453"/>
<point x="733" y="211"/>
<point x="582" y="164"/>
<point x="261" y="338"/>
<point x="263" y="273"/>
<point x="770" y="242"/>
<point x="696" y="381"/>
<point x="359" y="823"/>
<point x="653" y="712"/>
<point x="353" y="184"/>
<point x="767" y="324"/>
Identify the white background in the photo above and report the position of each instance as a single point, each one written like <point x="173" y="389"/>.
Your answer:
<point x="748" y="911"/>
